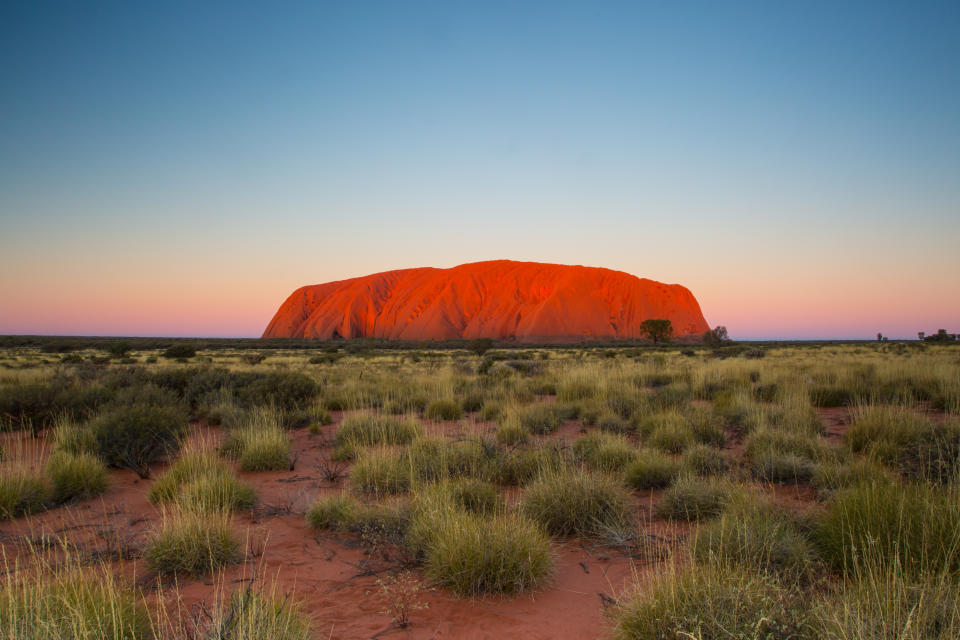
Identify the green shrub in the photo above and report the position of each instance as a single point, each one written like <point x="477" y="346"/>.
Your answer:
<point x="766" y="441"/>
<point x="707" y="603"/>
<point x="135" y="436"/>
<point x="692" y="499"/>
<point x="705" y="427"/>
<point x="75" y="476"/>
<point x="444" y="409"/>
<point x="216" y="491"/>
<point x="612" y="423"/>
<point x="579" y="503"/>
<point x="605" y="452"/>
<point x="194" y="543"/>
<point x="703" y="460"/>
<point x="178" y="351"/>
<point x="521" y="466"/>
<point x="651" y="469"/>
<point x="832" y="476"/>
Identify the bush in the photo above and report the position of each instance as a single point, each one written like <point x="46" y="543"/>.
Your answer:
<point x="137" y="435"/>
<point x="715" y="602"/>
<point x="22" y="492"/>
<point x="75" y="476"/>
<point x="475" y="496"/>
<point x="579" y="503"/>
<point x="444" y="409"/>
<point x="284" y="390"/>
<point x="702" y="460"/>
<point x="521" y="466"/>
<point x="178" y="351"/>
<point x="651" y="470"/>
<point x="70" y="437"/>
<point x="692" y="499"/>
<point x="194" y="543"/>
<point x="832" y="476"/>
<point x="605" y="452"/>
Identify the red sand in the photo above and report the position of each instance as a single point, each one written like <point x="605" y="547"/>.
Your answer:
<point x="500" y="299"/>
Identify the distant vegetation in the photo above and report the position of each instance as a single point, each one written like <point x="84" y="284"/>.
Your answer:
<point x="773" y="491"/>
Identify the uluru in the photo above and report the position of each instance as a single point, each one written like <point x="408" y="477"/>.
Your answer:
<point x="500" y="299"/>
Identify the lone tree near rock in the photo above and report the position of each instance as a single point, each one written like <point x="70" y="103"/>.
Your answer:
<point x="657" y="330"/>
<point x="717" y="335"/>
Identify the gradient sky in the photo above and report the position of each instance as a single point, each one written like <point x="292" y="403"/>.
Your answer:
<point x="180" y="168"/>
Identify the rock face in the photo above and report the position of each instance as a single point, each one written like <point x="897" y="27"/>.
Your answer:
<point x="501" y="299"/>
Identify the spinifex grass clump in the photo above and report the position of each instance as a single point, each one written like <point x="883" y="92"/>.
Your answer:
<point x="67" y="600"/>
<point x="194" y="542"/>
<point x="199" y="479"/>
<point x="444" y="409"/>
<point x="703" y="460"/>
<point x="259" y="442"/>
<point x="511" y="432"/>
<point x="540" y="419"/>
<point x="574" y="502"/>
<point x="907" y="442"/>
<point x="752" y="532"/>
<point x="605" y="451"/>
<point x="22" y="491"/>
<point x="473" y="554"/>
<point x="912" y="528"/>
<point x="719" y="601"/>
<point x="382" y="471"/>
<point x="357" y="432"/>
<point x="651" y="469"/>
<point x="783" y="456"/>
<point x="75" y="476"/>
<point x="252" y="615"/>
<point x="692" y="499"/>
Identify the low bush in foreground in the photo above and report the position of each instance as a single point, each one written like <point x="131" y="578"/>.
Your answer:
<point x="200" y="480"/>
<point x="357" y="432"/>
<point x="134" y="436"/>
<point x="579" y="503"/>
<point x="444" y="409"/>
<point x="703" y="460"/>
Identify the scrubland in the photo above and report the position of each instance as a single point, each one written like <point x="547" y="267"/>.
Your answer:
<point x="778" y="492"/>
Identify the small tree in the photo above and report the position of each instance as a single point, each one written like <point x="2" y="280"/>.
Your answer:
<point x="879" y="337"/>
<point x="921" y="335"/>
<point x="480" y="346"/>
<point x="657" y="330"/>
<point x="717" y="335"/>
<point x="119" y="349"/>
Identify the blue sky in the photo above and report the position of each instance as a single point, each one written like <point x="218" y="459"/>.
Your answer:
<point x="176" y="169"/>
